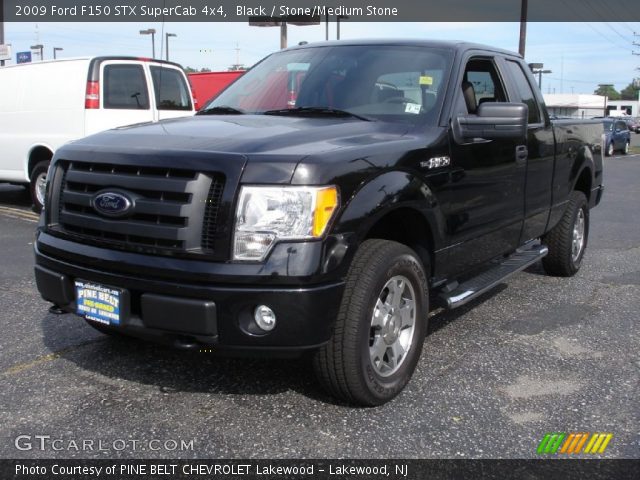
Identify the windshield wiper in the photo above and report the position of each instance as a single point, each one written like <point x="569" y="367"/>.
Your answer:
<point x="221" y="110"/>
<point x="334" y="112"/>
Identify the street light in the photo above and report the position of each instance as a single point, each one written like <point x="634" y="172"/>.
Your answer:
<point x="152" y="32"/>
<point x="167" y="35"/>
<point x="56" y="49"/>
<point x="537" y="69"/>
<point x="300" y="20"/>
<point x="39" y="47"/>
<point x="540" y="72"/>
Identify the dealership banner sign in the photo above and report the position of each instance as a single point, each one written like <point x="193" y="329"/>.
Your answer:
<point x="119" y="469"/>
<point x="299" y="10"/>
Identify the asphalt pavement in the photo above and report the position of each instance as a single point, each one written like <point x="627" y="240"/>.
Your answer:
<point x="536" y="355"/>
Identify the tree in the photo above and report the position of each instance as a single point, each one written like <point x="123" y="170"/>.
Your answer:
<point x="607" y="91"/>
<point x="195" y="70"/>
<point x="629" y="92"/>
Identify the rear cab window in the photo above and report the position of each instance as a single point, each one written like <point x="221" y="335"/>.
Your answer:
<point x="125" y="87"/>
<point x="171" y="90"/>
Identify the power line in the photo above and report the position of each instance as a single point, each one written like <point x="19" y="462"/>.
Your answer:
<point x="596" y="8"/>
<point x="586" y="20"/>
<point x="605" y="37"/>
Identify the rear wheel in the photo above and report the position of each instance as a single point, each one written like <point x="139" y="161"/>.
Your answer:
<point x="610" y="150"/>
<point x="38" y="185"/>
<point x="378" y="335"/>
<point x="567" y="241"/>
<point x="625" y="150"/>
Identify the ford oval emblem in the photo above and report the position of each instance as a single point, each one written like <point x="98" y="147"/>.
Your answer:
<point x="112" y="204"/>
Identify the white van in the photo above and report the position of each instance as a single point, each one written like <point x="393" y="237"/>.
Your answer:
<point x="47" y="104"/>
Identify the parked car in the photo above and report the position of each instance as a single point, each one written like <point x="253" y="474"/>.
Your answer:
<point x="325" y="226"/>
<point x="617" y="136"/>
<point x="206" y="85"/>
<point x="47" y="104"/>
<point x="633" y="123"/>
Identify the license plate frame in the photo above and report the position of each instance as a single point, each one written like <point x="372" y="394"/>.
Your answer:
<point x="101" y="303"/>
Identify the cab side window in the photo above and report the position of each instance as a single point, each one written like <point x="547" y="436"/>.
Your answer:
<point x="170" y="88"/>
<point x="524" y="91"/>
<point x="481" y="83"/>
<point x="125" y="87"/>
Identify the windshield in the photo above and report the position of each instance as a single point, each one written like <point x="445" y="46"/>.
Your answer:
<point x="391" y="83"/>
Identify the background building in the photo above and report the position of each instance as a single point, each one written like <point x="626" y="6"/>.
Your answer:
<point x="575" y="105"/>
<point x="618" y="108"/>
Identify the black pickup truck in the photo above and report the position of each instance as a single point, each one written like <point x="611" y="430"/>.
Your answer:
<point x="323" y="203"/>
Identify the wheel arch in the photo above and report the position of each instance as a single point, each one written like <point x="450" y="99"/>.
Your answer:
<point x="582" y="172"/>
<point x="583" y="182"/>
<point x="37" y="153"/>
<point x="396" y="206"/>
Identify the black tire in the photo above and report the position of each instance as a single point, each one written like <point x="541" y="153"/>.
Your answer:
<point x="560" y="261"/>
<point x="625" y="150"/>
<point x="343" y="366"/>
<point x="36" y="174"/>
<point x="609" y="150"/>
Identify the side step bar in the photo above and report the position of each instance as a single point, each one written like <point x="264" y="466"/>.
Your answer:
<point x="476" y="286"/>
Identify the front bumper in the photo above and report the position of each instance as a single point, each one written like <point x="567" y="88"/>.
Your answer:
<point x="191" y="314"/>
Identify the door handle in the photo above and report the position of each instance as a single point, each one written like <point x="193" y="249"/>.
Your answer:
<point x="522" y="153"/>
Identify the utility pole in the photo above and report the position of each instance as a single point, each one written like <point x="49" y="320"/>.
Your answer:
<point x="523" y="27"/>
<point x="326" y="27"/>
<point x="605" y="88"/>
<point x="1" y="28"/>
<point x="283" y="34"/>
<point x="636" y="81"/>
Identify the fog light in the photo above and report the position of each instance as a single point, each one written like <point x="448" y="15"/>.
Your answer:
<point x="265" y="318"/>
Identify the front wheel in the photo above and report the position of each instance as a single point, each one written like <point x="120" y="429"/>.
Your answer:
<point x="625" y="150"/>
<point x="38" y="185"/>
<point x="378" y="334"/>
<point x="567" y="241"/>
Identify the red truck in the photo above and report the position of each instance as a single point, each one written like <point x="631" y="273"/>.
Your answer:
<point x="205" y="85"/>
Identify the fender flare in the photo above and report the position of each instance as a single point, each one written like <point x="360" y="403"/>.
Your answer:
<point x="583" y="161"/>
<point x="382" y="195"/>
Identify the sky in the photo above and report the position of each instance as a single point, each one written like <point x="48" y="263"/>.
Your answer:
<point x="581" y="55"/>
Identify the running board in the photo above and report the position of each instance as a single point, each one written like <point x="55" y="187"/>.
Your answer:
<point x="476" y="286"/>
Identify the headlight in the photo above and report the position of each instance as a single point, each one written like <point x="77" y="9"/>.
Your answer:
<point x="268" y="214"/>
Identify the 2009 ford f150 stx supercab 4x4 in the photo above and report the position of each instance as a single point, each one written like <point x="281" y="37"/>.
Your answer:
<point x="319" y="203"/>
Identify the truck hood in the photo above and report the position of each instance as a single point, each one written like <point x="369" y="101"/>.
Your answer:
<point x="254" y="148"/>
<point x="249" y="134"/>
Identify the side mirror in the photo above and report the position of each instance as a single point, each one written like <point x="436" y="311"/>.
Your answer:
<point x="493" y="121"/>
